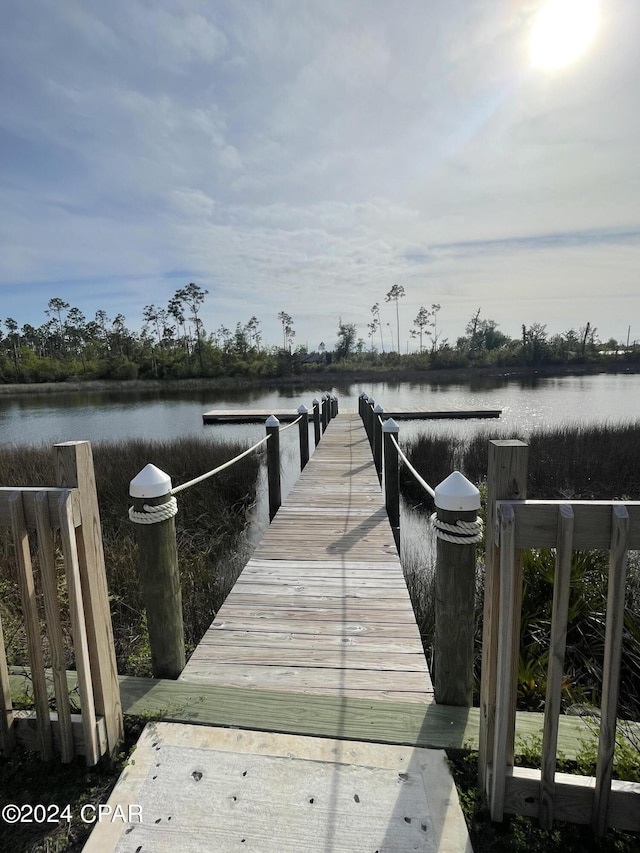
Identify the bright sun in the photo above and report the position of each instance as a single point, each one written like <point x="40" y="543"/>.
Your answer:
<point x="562" y="32"/>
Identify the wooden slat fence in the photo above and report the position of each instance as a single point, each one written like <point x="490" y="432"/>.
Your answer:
<point x="564" y="526"/>
<point x="53" y="532"/>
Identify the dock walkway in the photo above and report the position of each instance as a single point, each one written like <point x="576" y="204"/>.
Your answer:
<point x="320" y="611"/>
<point x="322" y="606"/>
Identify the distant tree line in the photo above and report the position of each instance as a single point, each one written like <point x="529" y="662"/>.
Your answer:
<point x="173" y="343"/>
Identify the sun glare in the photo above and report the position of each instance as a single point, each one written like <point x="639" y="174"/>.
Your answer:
<point x="562" y="32"/>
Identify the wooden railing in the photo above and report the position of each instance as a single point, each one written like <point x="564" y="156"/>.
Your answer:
<point x="36" y="517"/>
<point x="565" y="527"/>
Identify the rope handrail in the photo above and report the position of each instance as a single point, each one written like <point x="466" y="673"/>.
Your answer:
<point x="293" y="423"/>
<point x="217" y="470"/>
<point x="417" y="476"/>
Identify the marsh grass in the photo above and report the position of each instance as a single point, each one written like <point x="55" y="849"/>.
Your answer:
<point x="211" y="519"/>
<point x="574" y="463"/>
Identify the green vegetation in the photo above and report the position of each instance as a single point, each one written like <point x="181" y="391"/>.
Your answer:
<point x="212" y="516"/>
<point x="172" y="342"/>
<point x="600" y="462"/>
<point x="591" y="463"/>
<point x="523" y="834"/>
<point x="24" y="779"/>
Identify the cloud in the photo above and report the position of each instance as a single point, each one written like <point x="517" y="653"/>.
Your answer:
<point x="306" y="157"/>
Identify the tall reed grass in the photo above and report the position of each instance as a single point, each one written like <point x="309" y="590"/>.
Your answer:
<point x="600" y="462"/>
<point x="211" y="519"/>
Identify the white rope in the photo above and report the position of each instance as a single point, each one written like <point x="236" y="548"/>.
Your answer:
<point x="217" y="470"/>
<point x="293" y="423"/>
<point x="154" y="514"/>
<point x="461" y="533"/>
<point x="422" y="482"/>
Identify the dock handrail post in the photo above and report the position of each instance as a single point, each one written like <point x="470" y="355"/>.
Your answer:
<point x="506" y="480"/>
<point x="159" y="573"/>
<point x="325" y="412"/>
<point x="335" y="405"/>
<point x="317" y="432"/>
<point x="369" y="423"/>
<point x="363" y="413"/>
<point x="303" y="426"/>
<point x="390" y="429"/>
<point x="456" y="499"/>
<point x="377" y="440"/>
<point x="273" y="464"/>
<point x="361" y="400"/>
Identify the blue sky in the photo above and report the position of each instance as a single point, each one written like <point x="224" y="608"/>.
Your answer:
<point x="306" y="156"/>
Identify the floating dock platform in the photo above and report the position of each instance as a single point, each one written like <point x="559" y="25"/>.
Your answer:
<point x="258" y="416"/>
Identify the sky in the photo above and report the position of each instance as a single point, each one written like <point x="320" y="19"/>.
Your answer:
<point x="306" y="155"/>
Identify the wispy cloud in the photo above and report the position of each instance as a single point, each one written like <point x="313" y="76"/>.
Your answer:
<point x="307" y="156"/>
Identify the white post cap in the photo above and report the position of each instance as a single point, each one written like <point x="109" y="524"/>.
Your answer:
<point x="390" y="426"/>
<point x="302" y="410"/>
<point x="456" y="493"/>
<point x="151" y="482"/>
<point x="272" y="421"/>
<point x="371" y="401"/>
<point x="378" y="410"/>
<point x="315" y="401"/>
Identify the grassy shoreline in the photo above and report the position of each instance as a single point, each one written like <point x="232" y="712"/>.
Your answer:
<point x="330" y="375"/>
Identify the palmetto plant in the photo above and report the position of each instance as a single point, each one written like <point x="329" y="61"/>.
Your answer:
<point x="586" y="627"/>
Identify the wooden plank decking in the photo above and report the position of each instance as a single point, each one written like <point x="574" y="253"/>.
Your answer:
<point x="322" y="608"/>
<point x="321" y="614"/>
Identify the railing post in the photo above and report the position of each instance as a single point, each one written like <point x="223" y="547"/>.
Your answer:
<point x="325" y="412"/>
<point x="303" y="426"/>
<point x="273" y="464"/>
<point x="369" y="425"/>
<point x="390" y="429"/>
<point x="377" y="440"/>
<point x="361" y="400"/>
<point x="74" y="469"/>
<point x="335" y="405"/>
<point x="506" y="480"/>
<point x="159" y="574"/>
<point x="456" y="499"/>
<point x="317" y="432"/>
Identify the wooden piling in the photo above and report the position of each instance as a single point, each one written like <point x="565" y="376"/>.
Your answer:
<point x="456" y="500"/>
<point x="390" y="430"/>
<point x="303" y="426"/>
<point x="377" y="440"/>
<point x="273" y="465"/>
<point x="159" y="573"/>
<point x="317" y="431"/>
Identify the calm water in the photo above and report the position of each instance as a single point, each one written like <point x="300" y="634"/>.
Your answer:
<point x="525" y="403"/>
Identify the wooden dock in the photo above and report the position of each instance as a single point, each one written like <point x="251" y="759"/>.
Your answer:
<point x="259" y="416"/>
<point x="322" y="606"/>
<point x="320" y="615"/>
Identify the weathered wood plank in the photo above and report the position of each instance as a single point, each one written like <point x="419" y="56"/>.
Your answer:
<point x="29" y="494"/>
<point x="32" y="622"/>
<point x="574" y="798"/>
<point x="535" y="524"/>
<point x="326" y="567"/>
<point x="339" y="658"/>
<point x="373" y="719"/>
